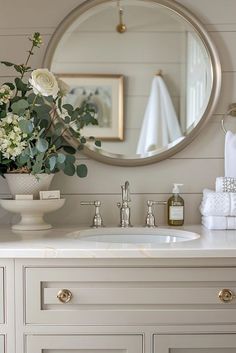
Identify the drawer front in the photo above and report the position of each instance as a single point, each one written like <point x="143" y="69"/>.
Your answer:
<point x="84" y="344"/>
<point x="218" y="343"/>
<point x="2" y="307"/>
<point x="128" y="295"/>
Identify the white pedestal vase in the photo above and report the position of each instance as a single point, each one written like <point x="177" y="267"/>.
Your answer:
<point x="28" y="184"/>
<point x="32" y="212"/>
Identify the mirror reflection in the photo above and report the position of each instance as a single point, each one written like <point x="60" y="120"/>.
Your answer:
<point x="143" y="68"/>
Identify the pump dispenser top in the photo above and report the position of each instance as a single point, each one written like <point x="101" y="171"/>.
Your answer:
<point x="175" y="189"/>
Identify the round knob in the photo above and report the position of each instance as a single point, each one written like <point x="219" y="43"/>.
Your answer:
<point x="64" y="295"/>
<point x="226" y="295"/>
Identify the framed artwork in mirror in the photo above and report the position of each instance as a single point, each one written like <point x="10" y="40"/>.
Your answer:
<point x="104" y="93"/>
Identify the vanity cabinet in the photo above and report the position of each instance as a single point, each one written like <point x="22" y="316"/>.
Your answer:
<point x="124" y="306"/>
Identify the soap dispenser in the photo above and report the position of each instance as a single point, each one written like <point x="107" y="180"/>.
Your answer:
<point x="176" y="207"/>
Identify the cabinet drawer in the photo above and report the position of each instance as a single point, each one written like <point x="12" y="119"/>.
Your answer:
<point x="84" y="343"/>
<point x="216" y="343"/>
<point x="128" y="296"/>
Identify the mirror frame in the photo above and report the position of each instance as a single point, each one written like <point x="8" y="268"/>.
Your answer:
<point x="153" y="157"/>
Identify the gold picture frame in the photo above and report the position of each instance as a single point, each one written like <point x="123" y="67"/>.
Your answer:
<point x="105" y="94"/>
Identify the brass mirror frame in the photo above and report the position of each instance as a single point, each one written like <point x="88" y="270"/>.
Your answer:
<point x="153" y="157"/>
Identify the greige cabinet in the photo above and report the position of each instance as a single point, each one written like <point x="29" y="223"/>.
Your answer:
<point x="84" y="344"/>
<point x="204" y="343"/>
<point x="124" y="306"/>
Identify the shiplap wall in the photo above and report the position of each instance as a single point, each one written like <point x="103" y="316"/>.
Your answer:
<point x="155" y="40"/>
<point x="197" y="166"/>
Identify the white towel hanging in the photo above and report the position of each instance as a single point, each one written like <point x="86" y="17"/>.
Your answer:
<point x="230" y="154"/>
<point x="160" y="124"/>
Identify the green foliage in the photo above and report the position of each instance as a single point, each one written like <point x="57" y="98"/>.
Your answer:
<point x="45" y="149"/>
<point x="20" y="107"/>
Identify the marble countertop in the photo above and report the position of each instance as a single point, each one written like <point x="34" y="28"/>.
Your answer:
<point x="58" y="243"/>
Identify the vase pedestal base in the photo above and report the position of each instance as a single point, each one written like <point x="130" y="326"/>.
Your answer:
<point x="32" y="212"/>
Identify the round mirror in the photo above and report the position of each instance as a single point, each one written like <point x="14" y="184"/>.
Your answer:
<point x="147" y="67"/>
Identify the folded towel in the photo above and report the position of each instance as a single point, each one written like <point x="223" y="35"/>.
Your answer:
<point x="218" y="203"/>
<point x="225" y="184"/>
<point x="230" y="154"/>
<point x="219" y="222"/>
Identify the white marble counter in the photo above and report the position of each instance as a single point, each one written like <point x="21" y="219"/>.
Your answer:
<point x="57" y="243"/>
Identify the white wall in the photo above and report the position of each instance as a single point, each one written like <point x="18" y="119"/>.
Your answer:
<point x="197" y="166"/>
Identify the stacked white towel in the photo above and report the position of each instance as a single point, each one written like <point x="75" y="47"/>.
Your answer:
<point x="218" y="203"/>
<point x="218" y="208"/>
<point x="219" y="222"/>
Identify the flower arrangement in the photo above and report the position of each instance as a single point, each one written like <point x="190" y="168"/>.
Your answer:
<point x="29" y="140"/>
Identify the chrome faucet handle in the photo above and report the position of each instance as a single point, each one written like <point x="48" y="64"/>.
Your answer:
<point x="97" y="219"/>
<point x="150" y="218"/>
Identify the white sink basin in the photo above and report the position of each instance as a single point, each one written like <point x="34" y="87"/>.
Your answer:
<point x="134" y="235"/>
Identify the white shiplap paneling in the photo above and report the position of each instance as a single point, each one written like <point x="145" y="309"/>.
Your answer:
<point x="196" y="166"/>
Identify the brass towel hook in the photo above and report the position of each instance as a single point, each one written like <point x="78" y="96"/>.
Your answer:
<point x="159" y="73"/>
<point x="232" y="112"/>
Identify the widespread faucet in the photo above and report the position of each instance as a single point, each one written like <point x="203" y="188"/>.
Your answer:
<point x="124" y="206"/>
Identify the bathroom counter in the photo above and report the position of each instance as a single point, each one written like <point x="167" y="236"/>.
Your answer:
<point x="57" y="243"/>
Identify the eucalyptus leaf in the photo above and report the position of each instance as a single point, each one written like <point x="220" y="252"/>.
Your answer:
<point x="26" y="126"/>
<point x="61" y="158"/>
<point x="70" y="159"/>
<point x="69" y="149"/>
<point x="52" y="162"/>
<point x="82" y="170"/>
<point x="20" y="85"/>
<point x="42" y="145"/>
<point x="22" y="160"/>
<point x="3" y="114"/>
<point x="19" y="107"/>
<point x="38" y="165"/>
<point x="69" y="169"/>
<point x="42" y="111"/>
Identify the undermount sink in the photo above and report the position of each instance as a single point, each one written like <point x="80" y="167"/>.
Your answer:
<point x="135" y="235"/>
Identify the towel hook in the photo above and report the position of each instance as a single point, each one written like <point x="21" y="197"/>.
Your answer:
<point x="159" y="73"/>
<point x="231" y="111"/>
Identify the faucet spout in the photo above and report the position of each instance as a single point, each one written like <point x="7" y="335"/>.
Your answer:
<point x="124" y="206"/>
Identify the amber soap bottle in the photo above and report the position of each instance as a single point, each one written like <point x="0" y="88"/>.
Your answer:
<point x="176" y="207"/>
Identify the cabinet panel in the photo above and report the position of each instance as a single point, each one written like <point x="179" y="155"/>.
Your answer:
<point x="84" y="344"/>
<point x="204" y="343"/>
<point x="2" y="344"/>
<point x="102" y="296"/>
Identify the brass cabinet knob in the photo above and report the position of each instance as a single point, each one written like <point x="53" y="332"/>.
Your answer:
<point x="226" y="295"/>
<point x="64" y="295"/>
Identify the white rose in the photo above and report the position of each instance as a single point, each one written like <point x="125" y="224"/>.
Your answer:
<point x="44" y="82"/>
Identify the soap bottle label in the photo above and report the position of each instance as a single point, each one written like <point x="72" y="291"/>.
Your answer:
<point x="176" y="213"/>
